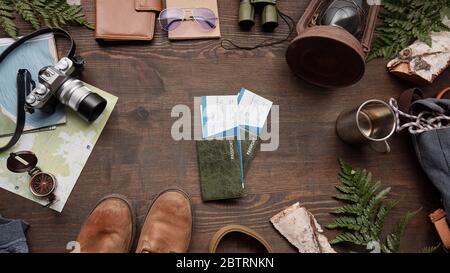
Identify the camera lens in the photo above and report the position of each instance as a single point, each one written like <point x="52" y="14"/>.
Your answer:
<point x="75" y="94"/>
<point x="91" y="107"/>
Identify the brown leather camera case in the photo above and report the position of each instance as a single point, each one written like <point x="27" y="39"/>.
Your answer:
<point x="126" y="19"/>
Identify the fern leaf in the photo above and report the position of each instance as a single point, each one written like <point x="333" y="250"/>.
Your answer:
<point x="25" y="9"/>
<point x="363" y="216"/>
<point x="430" y="249"/>
<point x="7" y="18"/>
<point x="51" y="13"/>
<point x="393" y="239"/>
<point x="406" y="21"/>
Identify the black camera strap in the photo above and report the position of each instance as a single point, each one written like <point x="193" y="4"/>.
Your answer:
<point x="24" y="81"/>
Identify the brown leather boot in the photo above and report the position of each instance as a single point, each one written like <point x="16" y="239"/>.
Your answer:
<point x="168" y="225"/>
<point x="109" y="228"/>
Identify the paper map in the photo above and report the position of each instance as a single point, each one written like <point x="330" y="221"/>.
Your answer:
<point x="62" y="152"/>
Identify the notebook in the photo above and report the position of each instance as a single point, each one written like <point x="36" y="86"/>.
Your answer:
<point x="190" y="30"/>
<point x="32" y="55"/>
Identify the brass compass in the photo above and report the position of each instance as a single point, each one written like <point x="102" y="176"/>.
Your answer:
<point x="41" y="184"/>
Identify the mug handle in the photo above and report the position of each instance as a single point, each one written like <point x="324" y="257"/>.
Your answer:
<point x="380" y="146"/>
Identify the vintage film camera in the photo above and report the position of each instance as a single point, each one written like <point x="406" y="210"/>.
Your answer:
<point x="334" y="38"/>
<point x="55" y="85"/>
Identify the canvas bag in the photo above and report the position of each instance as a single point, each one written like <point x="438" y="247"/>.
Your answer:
<point x="432" y="147"/>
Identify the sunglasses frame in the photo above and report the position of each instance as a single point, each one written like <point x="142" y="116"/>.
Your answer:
<point x="188" y="15"/>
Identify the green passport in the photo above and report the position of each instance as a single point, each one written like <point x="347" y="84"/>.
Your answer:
<point x="223" y="165"/>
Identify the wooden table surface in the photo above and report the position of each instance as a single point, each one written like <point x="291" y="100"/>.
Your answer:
<point x="137" y="157"/>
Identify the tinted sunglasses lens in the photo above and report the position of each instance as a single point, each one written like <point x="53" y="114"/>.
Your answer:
<point x="206" y="18"/>
<point x="170" y="19"/>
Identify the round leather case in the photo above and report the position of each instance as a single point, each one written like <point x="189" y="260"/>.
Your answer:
<point x="326" y="56"/>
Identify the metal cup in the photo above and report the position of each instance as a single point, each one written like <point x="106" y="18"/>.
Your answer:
<point x="371" y="123"/>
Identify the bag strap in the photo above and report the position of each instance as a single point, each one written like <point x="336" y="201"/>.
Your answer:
<point x="407" y="98"/>
<point x="57" y="31"/>
<point x="438" y="218"/>
<point x="442" y="93"/>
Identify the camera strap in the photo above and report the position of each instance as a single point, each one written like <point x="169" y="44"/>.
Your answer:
<point x="25" y="82"/>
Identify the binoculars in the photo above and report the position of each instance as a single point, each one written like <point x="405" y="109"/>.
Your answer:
<point x="333" y="41"/>
<point x="269" y="13"/>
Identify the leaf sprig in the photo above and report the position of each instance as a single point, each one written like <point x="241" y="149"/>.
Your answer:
<point x="51" y="13"/>
<point x="363" y="216"/>
<point x="405" y="21"/>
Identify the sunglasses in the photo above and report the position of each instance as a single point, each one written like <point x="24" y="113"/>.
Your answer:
<point x="171" y="18"/>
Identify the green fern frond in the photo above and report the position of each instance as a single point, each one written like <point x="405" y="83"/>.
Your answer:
<point x="430" y="249"/>
<point x="393" y="240"/>
<point x="363" y="216"/>
<point x="51" y="13"/>
<point x="7" y="18"/>
<point x="383" y="212"/>
<point x="406" y="21"/>
<point x="353" y="238"/>
<point x="25" y="9"/>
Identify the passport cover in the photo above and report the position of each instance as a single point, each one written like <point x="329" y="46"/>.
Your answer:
<point x="223" y="164"/>
<point x="220" y="169"/>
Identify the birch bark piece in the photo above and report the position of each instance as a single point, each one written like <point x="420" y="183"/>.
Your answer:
<point x="420" y="63"/>
<point x="302" y="230"/>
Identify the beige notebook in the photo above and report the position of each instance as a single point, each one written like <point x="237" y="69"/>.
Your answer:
<point x="190" y="30"/>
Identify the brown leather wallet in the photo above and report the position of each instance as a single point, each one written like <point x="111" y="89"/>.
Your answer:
<point x="217" y="238"/>
<point x="438" y="218"/>
<point x="126" y="19"/>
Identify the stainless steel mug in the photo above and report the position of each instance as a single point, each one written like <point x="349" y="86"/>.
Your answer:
<point x="372" y="123"/>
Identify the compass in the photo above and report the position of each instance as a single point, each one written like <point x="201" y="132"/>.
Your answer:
<point x="42" y="184"/>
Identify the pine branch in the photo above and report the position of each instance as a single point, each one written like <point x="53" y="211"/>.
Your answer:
<point x="406" y="21"/>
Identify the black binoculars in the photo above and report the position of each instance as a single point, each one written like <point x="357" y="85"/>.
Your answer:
<point x="269" y="13"/>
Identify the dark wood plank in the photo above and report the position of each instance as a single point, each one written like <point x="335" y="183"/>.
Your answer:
<point x="137" y="157"/>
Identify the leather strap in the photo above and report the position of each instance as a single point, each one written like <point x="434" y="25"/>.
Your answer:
<point x="441" y="94"/>
<point x="407" y="98"/>
<point x="369" y="31"/>
<point x="217" y="238"/>
<point x="148" y="5"/>
<point x="438" y="218"/>
<point x="308" y="16"/>
<point x="57" y="31"/>
<point x="23" y="77"/>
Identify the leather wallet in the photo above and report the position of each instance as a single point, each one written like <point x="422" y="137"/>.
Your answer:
<point x="126" y="19"/>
